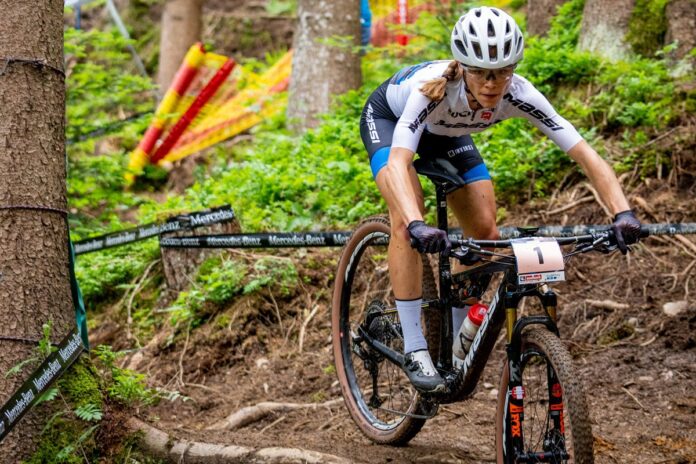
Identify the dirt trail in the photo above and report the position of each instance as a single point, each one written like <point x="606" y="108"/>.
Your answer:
<point x="638" y="365"/>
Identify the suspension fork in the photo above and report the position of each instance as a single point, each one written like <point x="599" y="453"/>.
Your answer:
<point x="516" y="393"/>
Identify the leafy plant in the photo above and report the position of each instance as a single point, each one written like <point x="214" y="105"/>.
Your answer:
<point x="268" y="270"/>
<point x="89" y="412"/>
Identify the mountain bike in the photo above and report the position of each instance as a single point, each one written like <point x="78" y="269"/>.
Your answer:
<point x="541" y="414"/>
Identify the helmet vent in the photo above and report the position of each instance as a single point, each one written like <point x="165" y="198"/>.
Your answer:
<point x="506" y="49"/>
<point x="495" y="11"/>
<point x="460" y="46"/>
<point x="491" y="29"/>
<point x="477" y="50"/>
<point x="507" y="27"/>
<point x="472" y="31"/>
<point x="519" y="45"/>
<point x="477" y="12"/>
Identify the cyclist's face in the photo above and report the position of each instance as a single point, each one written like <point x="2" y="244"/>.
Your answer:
<point x="488" y="85"/>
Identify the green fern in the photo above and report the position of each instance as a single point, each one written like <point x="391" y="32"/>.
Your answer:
<point x="89" y="412"/>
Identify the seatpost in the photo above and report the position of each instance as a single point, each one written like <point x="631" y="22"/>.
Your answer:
<point x="445" y="358"/>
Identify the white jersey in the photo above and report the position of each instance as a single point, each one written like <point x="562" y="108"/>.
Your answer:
<point x="454" y="117"/>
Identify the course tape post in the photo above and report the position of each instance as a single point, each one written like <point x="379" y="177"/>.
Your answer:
<point x="175" y="224"/>
<point x="339" y="238"/>
<point x="40" y="381"/>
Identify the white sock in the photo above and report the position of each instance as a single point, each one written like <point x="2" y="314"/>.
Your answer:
<point x="410" y="317"/>
<point x="458" y="316"/>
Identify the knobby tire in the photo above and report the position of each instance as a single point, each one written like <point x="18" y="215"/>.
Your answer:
<point x="370" y="283"/>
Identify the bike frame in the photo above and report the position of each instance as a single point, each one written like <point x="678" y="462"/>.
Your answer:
<point x="502" y="310"/>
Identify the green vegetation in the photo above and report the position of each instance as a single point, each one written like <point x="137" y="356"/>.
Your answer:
<point x="320" y="179"/>
<point x="220" y="279"/>
<point x="648" y="26"/>
<point x="77" y="407"/>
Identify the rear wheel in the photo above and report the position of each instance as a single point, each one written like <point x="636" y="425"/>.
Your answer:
<point x="554" y="424"/>
<point x="378" y="395"/>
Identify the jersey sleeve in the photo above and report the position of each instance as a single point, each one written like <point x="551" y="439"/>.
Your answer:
<point x="410" y="125"/>
<point x="533" y="106"/>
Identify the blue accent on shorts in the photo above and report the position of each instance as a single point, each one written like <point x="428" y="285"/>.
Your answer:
<point x="477" y="173"/>
<point x="379" y="160"/>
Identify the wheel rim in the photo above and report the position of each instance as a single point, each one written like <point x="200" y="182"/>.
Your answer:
<point x="367" y="288"/>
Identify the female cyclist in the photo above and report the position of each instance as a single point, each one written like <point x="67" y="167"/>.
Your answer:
<point x="430" y="109"/>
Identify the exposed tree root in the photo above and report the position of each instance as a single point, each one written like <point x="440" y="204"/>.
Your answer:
<point x="608" y="304"/>
<point x="164" y="446"/>
<point x="250" y="414"/>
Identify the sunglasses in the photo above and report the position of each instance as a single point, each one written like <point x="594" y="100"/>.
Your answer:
<point x="483" y="75"/>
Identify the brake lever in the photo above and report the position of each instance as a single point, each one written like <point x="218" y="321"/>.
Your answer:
<point x="465" y="256"/>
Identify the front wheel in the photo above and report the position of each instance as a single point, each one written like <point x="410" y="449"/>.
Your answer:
<point x="377" y="393"/>
<point x="552" y="425"/>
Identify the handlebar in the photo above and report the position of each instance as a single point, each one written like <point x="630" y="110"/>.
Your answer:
<point x="607" y="234"/>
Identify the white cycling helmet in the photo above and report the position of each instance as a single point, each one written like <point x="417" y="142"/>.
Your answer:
<point x="487" y="38"/>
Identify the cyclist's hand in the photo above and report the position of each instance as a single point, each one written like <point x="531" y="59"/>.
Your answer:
<point x="428" y="239"/>
<point x="626" y="229"/>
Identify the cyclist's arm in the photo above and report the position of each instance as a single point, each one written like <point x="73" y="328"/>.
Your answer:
<point x="532" y="105"/>
<point x="537" y="109"/>
<point x="601" y="176"/>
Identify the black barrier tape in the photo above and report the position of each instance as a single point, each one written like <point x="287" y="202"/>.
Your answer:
<point x="175" y="224"/>
<point x="40" y="381"/>
<point x="273" y="240"/>
<point x="339" y="238"/>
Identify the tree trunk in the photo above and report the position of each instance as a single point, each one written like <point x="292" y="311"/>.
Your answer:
<point x="324" y="63"/>
<point x="181" y="28"/>
<point x="681" y="26"/>
<point x="539" y="15"/>
<point x="181" y="264"/>
<point x="34" y="280"/>
<point x="604" y="27"/>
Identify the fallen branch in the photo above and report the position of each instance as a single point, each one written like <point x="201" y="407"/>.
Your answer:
<point x="689" y="244"/>
<point x="599" y="200"/>
<point x="306" y="322"/>
<point x="164" y="446"/>
<point x="250" y="414"/>
<point x="608" y="304"/>
<point x="633" y="397"/>
<point x="570" y="205"/>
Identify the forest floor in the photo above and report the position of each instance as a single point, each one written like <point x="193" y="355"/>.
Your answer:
<point x="638" y="365"/>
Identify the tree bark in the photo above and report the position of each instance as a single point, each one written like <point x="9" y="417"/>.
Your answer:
<point x="539" y="15"/>
<point x="681" y="26"/>
<point x="604" y="27"/>
<point x="180" y="265"/>
<point x="181" y="28"/>
<point x="34" y="280"/>
<point x="321" y="69"/>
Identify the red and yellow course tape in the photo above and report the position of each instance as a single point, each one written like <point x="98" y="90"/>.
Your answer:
<point x="203" y="107"/>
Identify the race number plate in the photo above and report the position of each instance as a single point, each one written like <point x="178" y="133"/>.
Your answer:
<point x="539" y="259"/>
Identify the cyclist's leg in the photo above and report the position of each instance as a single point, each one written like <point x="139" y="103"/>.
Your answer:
<point x="377" y="125"/>
<point x="474" y="207"/>
<point x="474" y="204"/>
<point x="405" y="266"/>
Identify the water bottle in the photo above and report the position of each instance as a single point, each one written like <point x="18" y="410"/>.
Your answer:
<point x="468" y="330"/>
